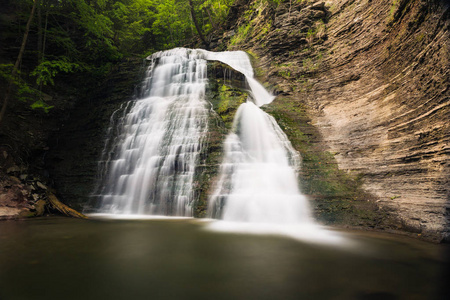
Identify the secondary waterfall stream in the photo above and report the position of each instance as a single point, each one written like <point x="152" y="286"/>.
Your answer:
<point x="258" y="182"/>
<point x="153" y="162"/>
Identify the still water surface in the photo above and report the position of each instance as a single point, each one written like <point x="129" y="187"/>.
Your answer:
<point x="59" y="258"/>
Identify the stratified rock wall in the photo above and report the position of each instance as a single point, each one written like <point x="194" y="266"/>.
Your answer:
<point x="382" y="104"/>
<point x="375" y="76"/>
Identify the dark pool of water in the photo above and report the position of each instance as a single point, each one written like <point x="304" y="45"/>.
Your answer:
<point x="60" y="258"/>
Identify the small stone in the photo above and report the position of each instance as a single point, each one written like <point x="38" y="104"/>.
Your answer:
<point x="318" y="14"/>
<point x="229" y="34"/>
<point x="41" y="185"/>
<point x="318" y="5"/>
<point x="25" y="213"/>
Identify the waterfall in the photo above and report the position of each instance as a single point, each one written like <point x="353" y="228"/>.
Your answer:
<point x="152" y="167"/>
<point x="258" y="181"/>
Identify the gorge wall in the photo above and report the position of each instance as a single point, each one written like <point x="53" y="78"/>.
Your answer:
<point x="374" y="78"/>
<point x="362" y="92"/>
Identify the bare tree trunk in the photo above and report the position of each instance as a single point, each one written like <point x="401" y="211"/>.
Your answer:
<point x="39" y="28"/>
<point x="199" y="31"/>
<point x="210" y="19"/>
<point x="16" y="65"/>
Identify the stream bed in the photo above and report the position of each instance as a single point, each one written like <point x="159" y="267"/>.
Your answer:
<point x="61" y="258"/>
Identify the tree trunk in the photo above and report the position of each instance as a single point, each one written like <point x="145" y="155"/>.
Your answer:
<point x="16" y="65"/>
<point x="199" y="31"/>
<point x="40" y="32"/>
<point x="210" y="18"/>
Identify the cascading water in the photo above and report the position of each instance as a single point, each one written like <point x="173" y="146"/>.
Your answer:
<point x="257" y="190"/>
<point x="258" y="182"/>
<point x="153" y="167"/>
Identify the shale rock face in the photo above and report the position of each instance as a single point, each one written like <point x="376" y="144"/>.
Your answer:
<point x="383" y="105"/>
<point x="375" y="78"/>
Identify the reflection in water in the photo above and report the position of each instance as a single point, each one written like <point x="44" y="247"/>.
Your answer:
<point x="176" y="259"/>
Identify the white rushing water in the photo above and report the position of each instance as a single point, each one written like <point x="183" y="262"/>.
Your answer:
<point x="258" y="181"/>
<point x="151" y="169"/>
<point x="257" y="190"/>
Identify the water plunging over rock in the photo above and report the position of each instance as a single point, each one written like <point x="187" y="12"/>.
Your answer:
<point x="258" y="181"/>
<point x="152" y="169"/>
<point x="154" y="159"/>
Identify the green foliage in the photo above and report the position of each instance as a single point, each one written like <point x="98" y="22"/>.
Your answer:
<point x="316" y="32"/>
<point x="5" y="72"/>
<point x="23" y="92"/>
<point x="256" y="24"/>
<point x="48" y="69"/>
<point x="40" y="104"/>
<point x="218" y="7"/>
<point x="241" y="35"/>
<point x="90" y="37"/>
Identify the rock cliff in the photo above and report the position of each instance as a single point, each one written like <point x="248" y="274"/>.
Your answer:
<point x="374" y="79"/>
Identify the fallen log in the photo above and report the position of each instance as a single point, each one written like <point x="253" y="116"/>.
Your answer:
<point x="62" y="208"/>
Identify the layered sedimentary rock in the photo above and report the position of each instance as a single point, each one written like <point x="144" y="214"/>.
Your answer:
<point x="375" y="77"/>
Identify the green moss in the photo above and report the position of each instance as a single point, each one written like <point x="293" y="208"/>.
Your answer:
<point x="393" y="8"/>
<point x="241" y="35"/>
<point x="256" y="25"/>
<point x="420" y="37"/>
<point x="225" y="97"/>
<point x="226" y="100"/>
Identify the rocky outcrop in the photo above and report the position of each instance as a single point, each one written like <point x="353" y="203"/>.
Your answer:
<point x="373" y="76"/>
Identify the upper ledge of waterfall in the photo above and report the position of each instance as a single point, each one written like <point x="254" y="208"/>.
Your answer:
<point x="238" y="60"/>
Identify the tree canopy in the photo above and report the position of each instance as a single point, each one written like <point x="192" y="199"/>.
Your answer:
<point x="89" y="36"/>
